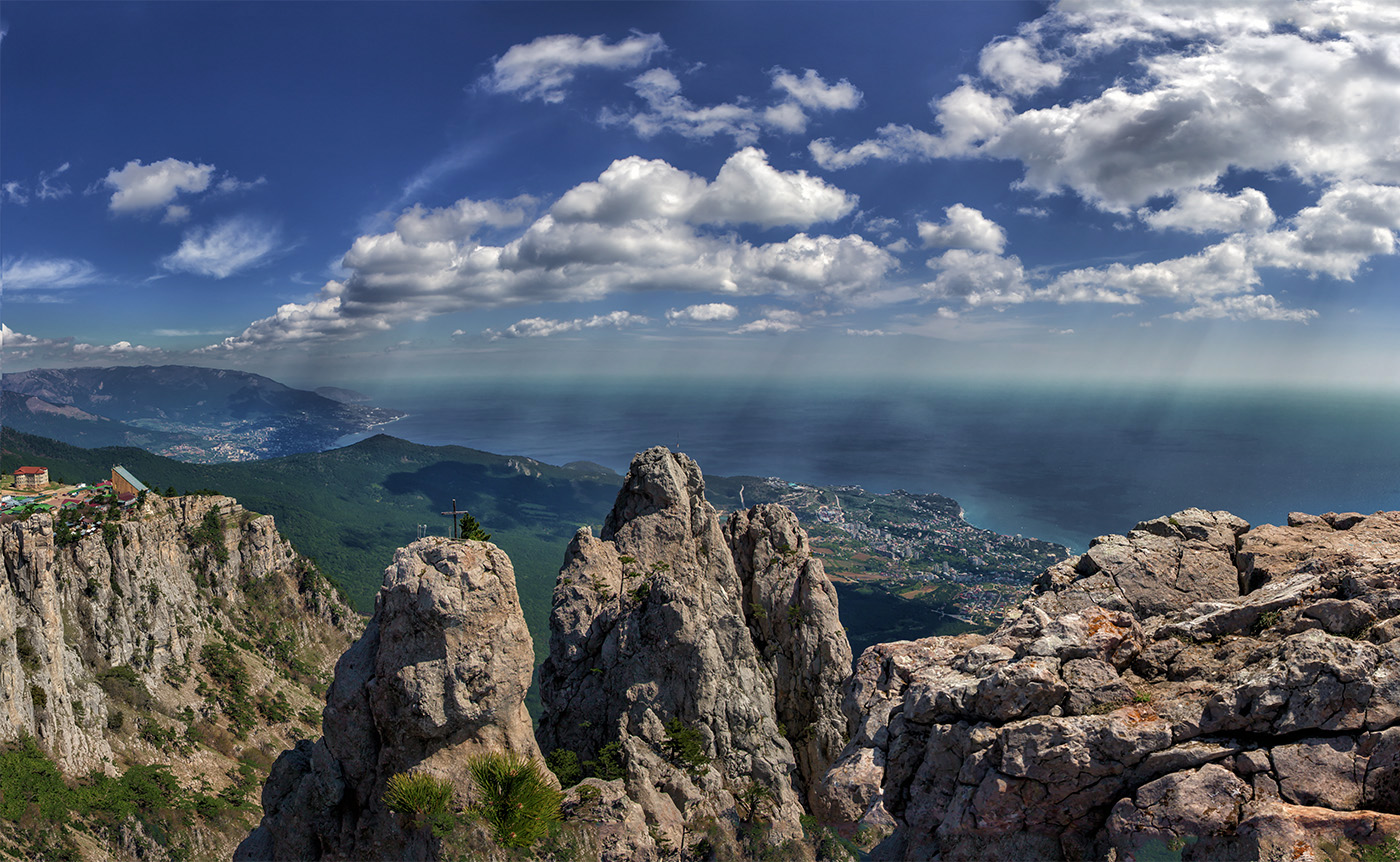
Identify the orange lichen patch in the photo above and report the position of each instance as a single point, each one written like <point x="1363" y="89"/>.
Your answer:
<point x="1100" y="621"/>
<point x="1302" y="851"/>
<point x="1136" y="713"/>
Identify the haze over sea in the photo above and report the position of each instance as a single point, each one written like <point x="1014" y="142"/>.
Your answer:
<point x="1059" y="463"/>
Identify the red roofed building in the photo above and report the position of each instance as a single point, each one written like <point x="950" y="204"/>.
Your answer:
<point x="31" y="478"/>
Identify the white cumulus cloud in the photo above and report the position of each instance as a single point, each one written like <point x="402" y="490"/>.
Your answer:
<point x="1254" y="306"/>
<point x="708" y="312"/>
<point x="978" y="278"/>
<point x="139" y="188"/>
<point x="542" y="69"/>
<point x="775" y="321"/>
<point x="810" y="91"/>
<point x="541" y="327"/>
<point x="667" y="110"/>
<point x="1201" y="211"/>
<point x="1015" y="65"/>
<point x="643" y="226"/>
<point x="747" y="191"/>
<point x="964" y="227"/>
<point x="18" y="344"/>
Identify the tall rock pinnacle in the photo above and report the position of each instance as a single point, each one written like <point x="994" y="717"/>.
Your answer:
<point x="670" y="626"/>
<point x="440" y="674"/>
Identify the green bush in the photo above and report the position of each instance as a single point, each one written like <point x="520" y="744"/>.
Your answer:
<point x="276" y="708"/>
<point x="24" y="647"/>
<point x="470" y="529"/>
<point x="28" y="777"/>
<point x="34" y="792"/>
<point x="685" y="746"/>
<point x="607" y="766"/>
<point x="123" y="683"/>
<point x="425" y="800"/>
<point x="225" y="668"/>
<point x="110" y="533"/>
<point x="210" y="534"/>
<point x="566" y="767"/>
<point x="514" y="797"/>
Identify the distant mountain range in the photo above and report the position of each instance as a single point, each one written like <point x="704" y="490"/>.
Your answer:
<point x="192" y="414"/>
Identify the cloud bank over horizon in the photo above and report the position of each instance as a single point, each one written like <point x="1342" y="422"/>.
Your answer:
<point x="1120" y="173"/>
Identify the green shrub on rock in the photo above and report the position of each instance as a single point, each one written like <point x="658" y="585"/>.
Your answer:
<point x="423" y="799"/>
<point x="514" y="797"/>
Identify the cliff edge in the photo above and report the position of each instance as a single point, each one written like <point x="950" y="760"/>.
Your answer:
<point x="181" y="634"/>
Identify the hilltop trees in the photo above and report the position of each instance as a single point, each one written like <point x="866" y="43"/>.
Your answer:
<point x="470" y="529"/>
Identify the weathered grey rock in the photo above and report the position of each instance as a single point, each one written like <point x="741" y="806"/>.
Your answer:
<point x="1193" y="685"/>
<point x="439" y="674"/>
<point x="1319" y="772"/>
<point x="792" y="613"/>
<point x="617" y="823"/>
<point x="147" y="601"/>
<point x="732" y="632"/>
<point x="1202" y="806"/>
<point x="1167" y="563"/>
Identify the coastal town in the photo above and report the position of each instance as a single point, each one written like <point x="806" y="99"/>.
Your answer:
<point x="917" y="546"/>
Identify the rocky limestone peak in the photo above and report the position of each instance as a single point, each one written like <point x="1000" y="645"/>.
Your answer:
<point x="664" y="484"/>
<point x="439" y="674"/>
<point x="656" y="623"/>
<point x="1137" y="703"/>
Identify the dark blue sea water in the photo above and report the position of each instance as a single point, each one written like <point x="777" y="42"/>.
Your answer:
<point x="1063" y="464"/>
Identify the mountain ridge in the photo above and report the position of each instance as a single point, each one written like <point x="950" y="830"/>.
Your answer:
<point x="212" y="413"/>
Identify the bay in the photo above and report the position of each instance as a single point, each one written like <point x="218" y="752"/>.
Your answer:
<point x="1060" y="463"/>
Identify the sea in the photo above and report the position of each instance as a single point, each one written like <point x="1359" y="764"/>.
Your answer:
<point x="1063" y="463"/>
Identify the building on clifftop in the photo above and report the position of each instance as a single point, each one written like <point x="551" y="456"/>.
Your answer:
<point x="125" y="483"/>
<point x="31" y="478"/>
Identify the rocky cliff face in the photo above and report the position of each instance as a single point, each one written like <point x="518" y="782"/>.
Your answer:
<point x="440" y="673"/>
<point x="102" y="641"/>
<point x="1195" y="685"/>
<point x="792" y="615"/>
<point x="670" y="627"/>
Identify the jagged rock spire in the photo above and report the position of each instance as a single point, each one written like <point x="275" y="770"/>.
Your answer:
<point x="654" y="623"/>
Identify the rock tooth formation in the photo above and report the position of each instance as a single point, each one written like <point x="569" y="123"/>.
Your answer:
<point x="792" y="615"/>
<point x="439" y="674"/>
<point x="1194" y="685"/>
<point x="730" y="631"/>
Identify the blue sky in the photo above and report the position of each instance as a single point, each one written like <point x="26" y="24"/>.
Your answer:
<point x="340" y="193"/>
